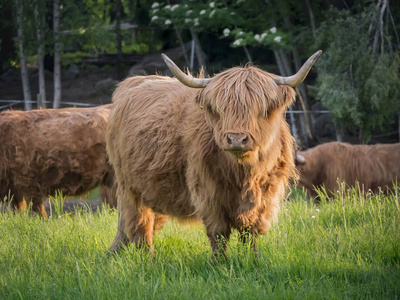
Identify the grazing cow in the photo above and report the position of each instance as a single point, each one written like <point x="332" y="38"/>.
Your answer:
<point x="216" y="149"/>
<point x="372" y="166"/>
<point x="42" y="151"/>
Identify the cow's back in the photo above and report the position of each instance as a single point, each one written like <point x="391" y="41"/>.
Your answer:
<point x="371" y="166"/>
<point x="47" y="150"/>
<point x="144" y="134"/>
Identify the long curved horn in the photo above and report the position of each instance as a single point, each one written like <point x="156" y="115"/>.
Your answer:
<point x="298" y="78"/>
<point x="184" y="78"/>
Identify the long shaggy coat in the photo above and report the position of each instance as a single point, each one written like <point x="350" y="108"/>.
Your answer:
<point x="167" y="144"/>
<point x="374" y="167"/>
<point x="44" y="151"/>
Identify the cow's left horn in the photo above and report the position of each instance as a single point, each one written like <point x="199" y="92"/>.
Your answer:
<point x="298" y="78"/>
<point x="184" y="78"/>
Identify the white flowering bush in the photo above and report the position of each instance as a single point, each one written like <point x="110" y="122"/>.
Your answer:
<point x="271" y="37"/>
<point x="231" y="22"/>
<point x="196" y="14"/>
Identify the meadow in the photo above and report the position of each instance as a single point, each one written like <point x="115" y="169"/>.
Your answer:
<point x="348" y="248"/>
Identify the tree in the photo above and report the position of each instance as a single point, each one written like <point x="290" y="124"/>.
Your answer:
<point x="57" y="54"/>
<point x="358" y="85"/>
<point x="39" y="18"/>
<point x="24" y="68"/>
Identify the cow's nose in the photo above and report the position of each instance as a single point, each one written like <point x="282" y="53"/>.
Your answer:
<point x="237" y="140"/>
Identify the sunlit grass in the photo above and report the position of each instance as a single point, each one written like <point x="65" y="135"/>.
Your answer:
<point x="344" y="248"/>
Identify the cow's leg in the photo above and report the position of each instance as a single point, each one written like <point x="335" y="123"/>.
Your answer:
<point x="136" y="224"/>
<point x="18" y="202"/>
<point x="159" y="222"/>
<point x="38" y="206"/>
<point x="120" y="238"/>
<point x="248" y="235"/>
<point x="219" y="237"/>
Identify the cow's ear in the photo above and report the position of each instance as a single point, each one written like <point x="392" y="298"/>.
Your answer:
<point x="300" y="159"/>
<point x="288" y="95"/>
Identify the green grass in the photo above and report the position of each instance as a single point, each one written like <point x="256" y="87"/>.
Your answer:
<point x="348" y="248"/>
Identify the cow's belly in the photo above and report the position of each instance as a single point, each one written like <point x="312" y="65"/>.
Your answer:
<point x="165" y="194"/>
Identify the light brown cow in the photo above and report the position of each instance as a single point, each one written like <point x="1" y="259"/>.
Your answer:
<point x="42" y="151"/>
<point x="216" y="149"/>
<point x="372" y="166"/>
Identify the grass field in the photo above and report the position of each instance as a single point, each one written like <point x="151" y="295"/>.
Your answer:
<point x="348" y="248"/>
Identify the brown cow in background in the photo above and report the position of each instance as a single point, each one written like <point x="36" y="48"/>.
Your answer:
<point x="42" y="151"/>
<point x="372" y="166"/>
<point x="216" y="149"/>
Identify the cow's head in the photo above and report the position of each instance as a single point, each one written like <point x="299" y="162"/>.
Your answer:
<point x="244" y="106"/>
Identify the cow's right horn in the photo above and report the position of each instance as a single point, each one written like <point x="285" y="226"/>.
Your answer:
<point x="298" y="78"/>
<point x="184" y="78"/>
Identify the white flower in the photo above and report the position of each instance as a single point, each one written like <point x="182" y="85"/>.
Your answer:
<point x="174" y="7"/>
<point x="188" y="20"/>
<point x="277" y="39"/>
<point x="189" y="12"/>
<point x="154" y="18"/>
<point x="313" y="217"/>
<point x="317" y="210"/>
<point x="273" y="29"/>
<point x="263" y="35"/>
<point x="168" y="22"/>
<point x="203" y="12"/>
<point x="155" y="11"/>
<point x="240" y="33"/>
<point x="212" y="13"/>
<point x="196" y="22"/>
<point x="155" y="4"/>
<point x="226" y="31"/>
<point x="237" y="42"/>
<point x="212" y="4"/>
<point x="257" y="37"/>
<point x="167" y="6"/>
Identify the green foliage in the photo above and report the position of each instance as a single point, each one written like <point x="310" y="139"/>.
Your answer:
<point x="359" y="88"/>
<point x="236" y="20"/>
<point x="348" y="248"/>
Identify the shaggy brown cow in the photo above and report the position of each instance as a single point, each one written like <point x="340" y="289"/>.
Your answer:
<point x="42" y="151"/>
<point x="216" y="149"/>
<point x="372" y="166"/>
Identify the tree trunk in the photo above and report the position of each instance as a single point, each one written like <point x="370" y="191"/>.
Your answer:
<point x="57" y="54"/>
<point x="303" y="96"/>
<point x="312" y="22"/>
<point x="248" y="55"/>
<point x="291" y="116"/>
<point x="201" y="57"/>
<point x="119" y="40"/>
<point x="303" y="137"/>
<point x="24" y="68"/>
<point x="40" y="38"/>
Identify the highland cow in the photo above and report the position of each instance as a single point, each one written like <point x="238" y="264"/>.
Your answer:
<point x="49" y="150"/>
<point x="373" y="167"/>
<point x="215" y="149"/>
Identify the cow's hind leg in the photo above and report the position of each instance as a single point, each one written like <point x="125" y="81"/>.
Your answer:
<point x="38" y="206"/>
<point x="136" y="224"/>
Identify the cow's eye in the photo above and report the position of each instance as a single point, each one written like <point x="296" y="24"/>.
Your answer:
<point x="212" y="112"/>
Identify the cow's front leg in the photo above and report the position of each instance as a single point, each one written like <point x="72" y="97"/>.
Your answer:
<point x="248" y="236"/>
<point x="219" y="237"/>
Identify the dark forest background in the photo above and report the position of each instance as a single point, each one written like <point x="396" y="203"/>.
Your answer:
<point x="50" y="47"/>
